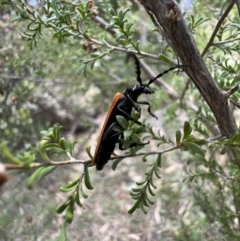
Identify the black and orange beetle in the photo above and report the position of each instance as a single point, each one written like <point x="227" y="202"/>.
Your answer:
<point x="122" y="104"/>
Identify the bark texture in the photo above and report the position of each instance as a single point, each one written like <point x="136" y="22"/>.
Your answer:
<point x="167" y="17"/>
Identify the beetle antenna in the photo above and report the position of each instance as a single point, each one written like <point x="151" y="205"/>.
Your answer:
<point x="166" y="71"/>
<point x="137" y="64"/>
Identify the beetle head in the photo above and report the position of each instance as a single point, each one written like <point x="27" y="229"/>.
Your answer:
<point x="145" y="89"/>
<point x="135" y="91"/>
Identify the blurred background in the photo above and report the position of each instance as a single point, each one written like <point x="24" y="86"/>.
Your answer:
<point x="45" y="85"/>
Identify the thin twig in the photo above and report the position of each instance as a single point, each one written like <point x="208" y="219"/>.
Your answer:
<point x="45" y="164"/>
<point x="75" y="161"/>
<point x="237" y="104"/>
<point x="215" y="138"/>
<point x="232" y="90"/>
<point x="94" y="59"/>
<point x="238" y="6"/>
<point x="102" y="23"/>
<point x="227" y="177"/>
<point x="104" y="43"/>
<point x="87" y="162"/>
<point x="211" y="43"/>
<point x="219" y="23"/>
<point x="184" y="91"/>
<point x="225" y="42"/>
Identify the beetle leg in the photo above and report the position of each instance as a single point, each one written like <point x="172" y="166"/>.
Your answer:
<point x="107" y="135"/>
<point x="121" y="145"/>
<point x="128" y="116"/>
<point x="141" y="103"/>
<point x="140" y="144"/>
<point x="137" y="108"/>
<point x="133" y="145"/>
<point x="149" y="107"/>
<point x="115" y="135"/>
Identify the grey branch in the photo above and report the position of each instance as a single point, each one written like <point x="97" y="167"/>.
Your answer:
<point x="169" y="17"/>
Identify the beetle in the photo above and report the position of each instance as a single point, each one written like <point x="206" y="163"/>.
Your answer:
<point x="122" y="104"/>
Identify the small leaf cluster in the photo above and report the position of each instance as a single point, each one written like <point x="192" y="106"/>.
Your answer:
<point x="124" y="27"/>
<point x="25" y="160"/>
<point x="123" y="36"/>
<point x="233" y="143"/>
<point x="199" y="127"/>
<point x="75" y="19"/>
<point x="185" y="141"/>
<point x="61" y="17"/>
<point x="145" y="188"/>
<point x="53" y="142"/>
<point x="207" y="166"/>
<point x="228" y="76"/>
<point x="193" y="23"/>
<point x="227" y="34"/>
<point x="77" y="191"/>
<point x="189" y="142"/>
<point x="194" y="146"/>
<point x="68" y="207"/>
<point x="131" y="135"/>
<point x="158" y="137"/>
<point x="189" y="138"/>
<point x="226" y="67"/>
<point x="203" y="175"/>
<point x="91" y="62"/>
<point x="39" y="174"/>
<point x="205" y="113"/>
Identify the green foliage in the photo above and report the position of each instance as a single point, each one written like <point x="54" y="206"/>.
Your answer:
<point x="210" y="167"/>
<point x="63" y="234"/>
<point x="52" y="141"/>
<point x="132" y="133"/>
<point x="87" y="178"/>
<point x="39" y="174"/>
<point x="145" y="188"/>
<point x="55" y="15"/>
<point x="7" y="154"/>
<point x="73" y="199"/>
<point x="161" y="139"/>
<point x="52" y="144"/>
<point x="124" y="28"/>
<point x="61" y="18"/>
<point x="193" y="24"/>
